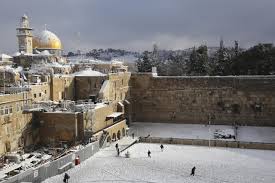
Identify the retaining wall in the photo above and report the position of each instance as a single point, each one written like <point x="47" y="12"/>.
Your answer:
<point x="223" y="100"/>
<point x="213" y="143"/>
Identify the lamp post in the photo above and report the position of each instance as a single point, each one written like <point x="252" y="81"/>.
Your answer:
<point x="209" y="130"/>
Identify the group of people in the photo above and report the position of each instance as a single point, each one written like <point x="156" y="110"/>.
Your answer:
<point x="149" y="152"/>
<point x="66" y="176"/>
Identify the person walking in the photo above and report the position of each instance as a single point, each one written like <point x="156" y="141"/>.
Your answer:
<point x="161" y="147"/>
<point x="66" y="178"/>
<point x="116" y="145"/>
<point x="77" y="160"/>
<point x="117" y="151"/>
<point x="193" y="171"/>
<point x="149" y="154"/>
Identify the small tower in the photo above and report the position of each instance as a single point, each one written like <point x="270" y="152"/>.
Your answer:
<point x="24" y="35"/>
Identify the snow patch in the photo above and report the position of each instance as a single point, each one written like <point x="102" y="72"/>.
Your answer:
<point x="88" y="72"/>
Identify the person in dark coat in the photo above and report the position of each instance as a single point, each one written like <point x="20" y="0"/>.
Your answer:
<point x="161" y="147"/>
<point x="149" y="154"/>
<point x="117" y="151"/>
<point x="116" y="145"/>
<point x="193" y="171"/>
<point x="66" y="178"/>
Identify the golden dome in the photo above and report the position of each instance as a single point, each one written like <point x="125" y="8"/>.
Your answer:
<point x="46" y="40"/>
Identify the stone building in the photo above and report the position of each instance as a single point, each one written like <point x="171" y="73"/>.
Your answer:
<point x="62" y="87"/>
<point x="46" y="101"/>
<point x="80" y="124"/>
<point x="15" y="128"/>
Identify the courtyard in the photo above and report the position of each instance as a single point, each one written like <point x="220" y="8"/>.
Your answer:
<point x="174" y="164"/>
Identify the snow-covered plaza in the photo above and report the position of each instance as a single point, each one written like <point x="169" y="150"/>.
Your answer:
<point x="213" y="165"/>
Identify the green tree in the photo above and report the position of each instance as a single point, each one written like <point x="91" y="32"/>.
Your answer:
<point x="198" y="60"/>
<point x="258" y="60"/>
<point x="144" y="64"/>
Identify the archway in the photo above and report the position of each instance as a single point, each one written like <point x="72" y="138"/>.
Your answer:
<point x="123" y="132"/>
<point x="114" y="137"/>
<point x="118" y="135"/>
<point x="109" y="139"/>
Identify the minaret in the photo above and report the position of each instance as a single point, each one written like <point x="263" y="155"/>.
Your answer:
<point x="24" y="35"/>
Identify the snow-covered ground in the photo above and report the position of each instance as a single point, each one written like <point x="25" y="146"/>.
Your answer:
<point x="193" y="131"/>
<point x="213" y="165"/>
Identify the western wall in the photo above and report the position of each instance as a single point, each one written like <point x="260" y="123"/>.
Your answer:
<point x="243" y="100"/>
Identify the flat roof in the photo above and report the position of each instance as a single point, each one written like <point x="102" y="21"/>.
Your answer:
<point x="114" y="115"/>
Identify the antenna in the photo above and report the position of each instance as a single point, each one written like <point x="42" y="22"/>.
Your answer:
<point x="45" y="26"/>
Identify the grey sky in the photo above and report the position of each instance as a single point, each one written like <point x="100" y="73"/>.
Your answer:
<point x="137" y="24"/>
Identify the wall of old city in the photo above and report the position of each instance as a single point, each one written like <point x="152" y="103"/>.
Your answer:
<point x="15" y="126"/>
<point x="222" y="100"/>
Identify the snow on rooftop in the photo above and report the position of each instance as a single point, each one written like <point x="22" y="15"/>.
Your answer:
<point x="11" y="69"/>
<point x="4" y="56"/>
<point x="45" y="53"/>
<point x="56" y="64"/>
<point x="16" y="54"/>
<point x="88" y="72"/>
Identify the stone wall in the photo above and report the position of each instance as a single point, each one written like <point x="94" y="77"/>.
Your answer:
<point x="15" y="126"/>
<point x="99" y="120"/>
<point x="59" y="126"/>
<point x="40" y="92"/>
<point x="119" y="86"/>
<point x="117" y="89"/>
<point x="86" y="86"/>
<point x="222" y="100"/>
<point x="62" y="88"/>
<point x="211" y="143"/>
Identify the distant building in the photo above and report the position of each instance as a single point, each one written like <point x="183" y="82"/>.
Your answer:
<point x="48" y="43"/>
<point x="24" y="35"/>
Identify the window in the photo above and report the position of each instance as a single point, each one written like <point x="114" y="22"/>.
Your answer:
<point x="6" y="110"/>
<point x="2" y="111"/>
<point x="34" y="95"/>
<point x="10" y="109"/>
<point x="40" y="94"/>
<point x="18" y="107"/>
<point x="45" y="91"/>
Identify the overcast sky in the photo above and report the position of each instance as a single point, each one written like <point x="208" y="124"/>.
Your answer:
<point x="137" y="24"/>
